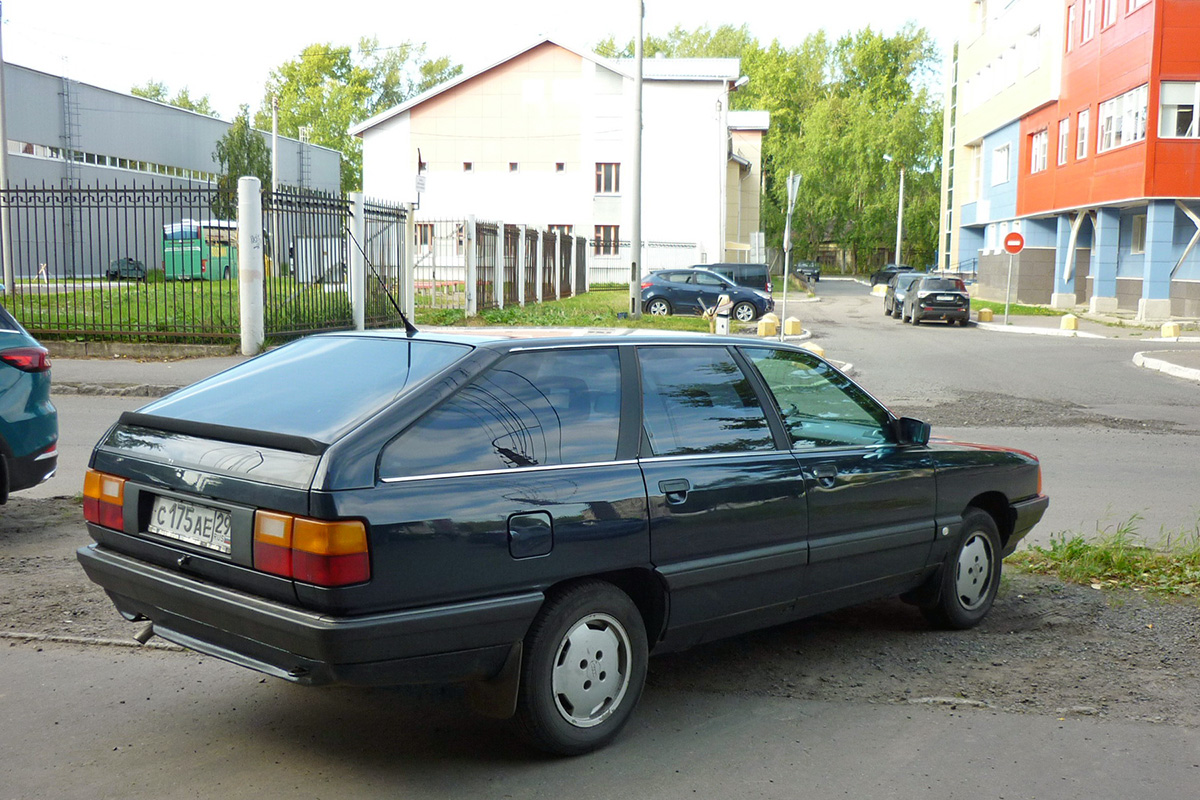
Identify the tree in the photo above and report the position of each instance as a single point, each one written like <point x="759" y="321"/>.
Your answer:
<point x="327" y="89"/>
<point x="242" y="151"/>
<point x="156" y="90"/>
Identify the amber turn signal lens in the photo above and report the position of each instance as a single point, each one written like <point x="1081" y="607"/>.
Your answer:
<point x="104" y="499"/>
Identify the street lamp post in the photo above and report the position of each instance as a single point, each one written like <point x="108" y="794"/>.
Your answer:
<point x="899" y="213"/>
<point x="793" y="187"/>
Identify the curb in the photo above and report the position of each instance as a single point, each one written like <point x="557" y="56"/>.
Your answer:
<point x="116" y="390"/>
<point x="1001" y="328"/>
<point x="1144" y="360"/>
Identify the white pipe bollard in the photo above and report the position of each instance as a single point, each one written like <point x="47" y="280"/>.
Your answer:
<point x="250" y="264"/>
<point x="358" y="262"/>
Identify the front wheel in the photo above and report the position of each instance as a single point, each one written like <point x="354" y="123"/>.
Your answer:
<point x="658" y="307"/>
<point x="970" y="577"/>
<point x="745" y="312"/>
<point x="584" y="669"/>
<point x="914" y="319"/>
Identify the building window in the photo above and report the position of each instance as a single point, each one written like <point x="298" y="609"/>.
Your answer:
<point x="1089" y="21"/>
<point x="1136" y="4"/>
<point x="513" y="166"/>
<point x="1064" y="139"/>
<point x="560" y="166"/>
<point x="1122" y="120"/>
<point x="608" y="240"/>
<point x="1072" y="17"/>
<point x="608" y="178"/>
<point x="1137" y="242"/>
<point x="1179" y="104"/>
<point x="976" y="172"/>
<point x="561" y="230"/>
<point x="1110" y="12"/>
<point x="1081" y="135"/>
<point x="1000" y="165"/>
<point x="1039" y="149"/>
<point x="423" y="236"/>
<point x="468" y="166"/>
<point x="1031" y="57"/>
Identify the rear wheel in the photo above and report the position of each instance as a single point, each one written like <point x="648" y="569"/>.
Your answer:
<point x="658" y="307"/>
<point x="915" y="319"/>
<point x="584" y="669"/>
<point x="745" y="312"/>
<point x="970" y="577"/>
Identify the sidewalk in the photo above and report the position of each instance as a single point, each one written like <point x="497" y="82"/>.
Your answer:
<point x="134" y="377"/>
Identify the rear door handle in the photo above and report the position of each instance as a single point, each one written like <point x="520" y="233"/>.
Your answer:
<point x="825" y="474"/>
<point x="676" y="490"/>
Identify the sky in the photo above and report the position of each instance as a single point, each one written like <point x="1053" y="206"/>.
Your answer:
<point x="226" y="49"/>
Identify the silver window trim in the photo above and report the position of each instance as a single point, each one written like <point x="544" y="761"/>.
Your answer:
<point x="509" y="471"/>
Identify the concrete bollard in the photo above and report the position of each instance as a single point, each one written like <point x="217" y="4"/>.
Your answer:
<point x="1069" y="322"/>
<point x="768" y="326"/>
<point x="814" y="348"/>
<point x="985" y="315"/>
<point x="1171" y="330"/>
<point x="792" y="327"/>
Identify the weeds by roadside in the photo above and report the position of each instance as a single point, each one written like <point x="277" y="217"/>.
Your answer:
<point x="1016" y="309"/>
<point x="595" y="309"/>
<point x="1119" y="558"/>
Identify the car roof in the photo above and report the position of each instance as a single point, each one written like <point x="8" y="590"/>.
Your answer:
<point x="544" y="338"/>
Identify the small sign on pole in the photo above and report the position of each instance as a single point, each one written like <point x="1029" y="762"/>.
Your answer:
<point x="1013" y="244"/>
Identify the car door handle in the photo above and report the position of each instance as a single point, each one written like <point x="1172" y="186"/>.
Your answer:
<point x="825" y="474"/>
<point x="676" y="490"/>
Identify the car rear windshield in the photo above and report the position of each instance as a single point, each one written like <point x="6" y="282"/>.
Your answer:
<point x="317" y="387"/>
<point x="944" y="285"/>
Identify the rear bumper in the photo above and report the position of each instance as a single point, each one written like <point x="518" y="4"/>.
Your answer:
<point x="950" y="314"/>
<point x="30" y="470"/>
<point x="438" y="644"/>
<point x="1026" y="514"/>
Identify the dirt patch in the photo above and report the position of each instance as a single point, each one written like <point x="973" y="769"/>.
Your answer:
<point x="1046" y="648"/>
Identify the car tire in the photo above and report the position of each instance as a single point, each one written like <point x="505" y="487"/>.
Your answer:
<point x="745" y="312"/>
<point x="970" y="577"/>
<point x="914" y="318"/>
<point x="888" y="309"/>
<point x="583" y="669"/>
<point x="658" y="307"/>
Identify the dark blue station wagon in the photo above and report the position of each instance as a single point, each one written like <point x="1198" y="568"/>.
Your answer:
<point x="533" y="516"/>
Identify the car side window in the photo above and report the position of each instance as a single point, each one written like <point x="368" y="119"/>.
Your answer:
<point x="706" y="279"/>
<point x="540" y="408"/>
<point x="820" y="406"/>
<point x="676" y="277"/>
<point x="698" y="400"/>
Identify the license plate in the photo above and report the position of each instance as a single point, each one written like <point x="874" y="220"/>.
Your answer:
<point x="198" y="525"/>
<point x="946" y="298"/>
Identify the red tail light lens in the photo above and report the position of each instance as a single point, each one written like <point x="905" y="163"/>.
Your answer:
<point x="27" y="359"/>
<point x="320" y="552"/>
<point x="646" y="284"/>
<point x="104" y="499"/>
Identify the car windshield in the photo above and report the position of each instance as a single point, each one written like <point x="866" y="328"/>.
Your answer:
<point x="943" y="285"/>
<point x="317" y="387"/>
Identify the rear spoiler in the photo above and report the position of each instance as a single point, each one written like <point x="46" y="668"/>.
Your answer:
<point x="226" y="433"/>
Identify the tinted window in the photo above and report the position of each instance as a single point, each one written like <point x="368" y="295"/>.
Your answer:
<point x="697" y="400"/>
<point x="943" y="285"/>
<point x="820" y="406"/>
<point x="708" y="279"/>
<point x="539" y="408"/>
<point x="676" y="277"/>
<point x="317" y="387"/>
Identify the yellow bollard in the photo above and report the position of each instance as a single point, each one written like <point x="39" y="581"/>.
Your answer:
<point x="1171" y="330"/>
<point x="985" y="315"/>
<point x="814" y="348"/>
<point x="1069" y="322"/>
<point x="768" y="326"/>
<point x="792" y="327"/>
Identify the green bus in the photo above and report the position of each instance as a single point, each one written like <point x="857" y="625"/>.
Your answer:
<point x="204" y="250"/>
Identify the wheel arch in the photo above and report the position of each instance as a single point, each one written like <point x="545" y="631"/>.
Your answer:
<point x="995" y="505"/>
<point x="642" y="586"/>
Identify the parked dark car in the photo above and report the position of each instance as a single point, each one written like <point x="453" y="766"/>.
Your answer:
<point x="126" y="268"/>
<point x="534" y="515"/>
<point x="691" y="291"/>
<point x="755" y="276"/>
<point x="897" y="290"/>
<point x="884" y="275"/>
<point x="809" y="270"/>
<point x="28" y="420"/>
<point x="935" y="297"/>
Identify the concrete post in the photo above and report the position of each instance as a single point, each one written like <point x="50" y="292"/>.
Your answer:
<point x="557" y="265"/>
<point x="408" y="281"/>
<point x="539" y="265"/>
<point x="471" y="268"/>
<point x="1155" y="304"/>
<point x="1063" y="295"/>
<point x="1105" y="254"/>
<point x="572" y="269"/>
<point x="250" y="264"/>
<point x="358" y="261"/>
<point x="498" y="283"/>
<point x="521" y="255"/>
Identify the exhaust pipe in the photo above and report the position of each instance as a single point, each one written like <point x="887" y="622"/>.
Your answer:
<point x="145" y="634"/>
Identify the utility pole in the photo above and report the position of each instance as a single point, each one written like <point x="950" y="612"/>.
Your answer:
<point x="5" y="230"/>
<point x="274" y="143"/>
<point x="635" y="255"/>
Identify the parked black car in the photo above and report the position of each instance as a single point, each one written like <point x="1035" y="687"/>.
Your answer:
<point x="809" y="270"/>
<point x="897" y="290"/>
<point x="126" y="268"/>
<point x="690" y="291"/>
<point x="755" y="276"/>
<point x="934" y="297"/>
<point x="533" y="515"/>
<point x="884" y="275"/>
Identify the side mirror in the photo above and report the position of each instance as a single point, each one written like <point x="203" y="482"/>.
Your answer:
<point x="912" y="431"/>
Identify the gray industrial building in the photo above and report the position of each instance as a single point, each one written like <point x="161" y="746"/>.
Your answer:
<point x="67" y="135"/>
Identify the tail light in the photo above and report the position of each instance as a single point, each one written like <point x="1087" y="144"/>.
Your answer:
<point x="27" y="359"/>
<point x="321" y="552"/>
<point x="646" y="284"/>
<point x="104" y="499"/>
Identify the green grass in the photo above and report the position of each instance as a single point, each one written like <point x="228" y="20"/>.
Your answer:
<point x="595" y="309"/>
<point x="1017" y="310"/>
<point x="1118" y="558"/>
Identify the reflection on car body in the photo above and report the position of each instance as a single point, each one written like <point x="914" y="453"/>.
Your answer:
<point x="535" y="516"/>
